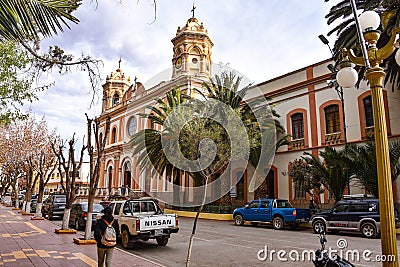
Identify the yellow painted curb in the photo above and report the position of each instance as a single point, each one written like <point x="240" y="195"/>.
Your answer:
<point x="81" y="241"/>
<point x="65" y="231"/>
<point x="16" y="209"/>
<point x="37" y="218"/>
<point x="208" y="216"/>
<point x="27" y="214"/>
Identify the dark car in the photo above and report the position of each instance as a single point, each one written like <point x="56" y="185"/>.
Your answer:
<point x="33" y="205"/>
<point x="78" y="215"/>
<point x="357" y="213"/>
<point x="54" y="205"/>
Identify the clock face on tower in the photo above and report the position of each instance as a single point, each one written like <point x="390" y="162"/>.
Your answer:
<point x="132" y="126"/>
<point x="178" y="63"/>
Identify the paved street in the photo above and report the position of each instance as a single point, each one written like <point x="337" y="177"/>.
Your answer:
<point x="219" y="243"/>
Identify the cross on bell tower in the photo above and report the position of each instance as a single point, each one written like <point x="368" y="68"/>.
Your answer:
<point x="193" y="10"/>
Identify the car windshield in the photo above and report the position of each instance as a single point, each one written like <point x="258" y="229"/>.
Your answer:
<point x="96" y="207"/>
<point x="60" y="199"/>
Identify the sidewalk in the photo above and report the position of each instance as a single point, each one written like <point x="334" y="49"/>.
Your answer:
<point x="26" y="242"/>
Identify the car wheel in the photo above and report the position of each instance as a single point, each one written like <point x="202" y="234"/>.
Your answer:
<point x="239" y="220"/>
<point x="77" y="227"/>
<point x="319" y="227"/>
<point x="125" y="239"/>
<point x="162" y="241"/>
<point x="278" y="223"/>
<point x="368" y="230"/>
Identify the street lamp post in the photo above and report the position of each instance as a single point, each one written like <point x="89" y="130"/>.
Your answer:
<point x="347" y="77"/>
<point x="339" y="91"/>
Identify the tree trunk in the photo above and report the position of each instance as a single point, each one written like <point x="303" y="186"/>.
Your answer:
<point x="88" y="229"/>
<point x="189" y="252"/>
<point x="65" y="222"/>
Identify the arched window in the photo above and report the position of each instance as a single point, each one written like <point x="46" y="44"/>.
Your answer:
<point x="115" y="100"/>
<point x="369" y="117"/>
<point x="297" y="126"/>
<point x="114" y="135"/>
<point x="332" y="119"/>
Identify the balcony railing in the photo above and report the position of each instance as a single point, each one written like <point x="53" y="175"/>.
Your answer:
<point x="296" y="144"/>
<point x="103" y="192"/>
<point x="332" y="139"/>
<point x="369" y="132"/>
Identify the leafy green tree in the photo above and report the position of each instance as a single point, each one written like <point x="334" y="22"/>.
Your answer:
<point x="362" y="163"/>
<point x="15" y="87"/>
<point x="346" y="31"/>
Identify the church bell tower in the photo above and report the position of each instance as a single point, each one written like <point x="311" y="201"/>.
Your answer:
<point x="192" y="50"/>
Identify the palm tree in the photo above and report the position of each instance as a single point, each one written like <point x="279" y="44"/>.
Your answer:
<point x="362" y="163"/>
<point x="22" y="20"/>
<point x="226" y="89"/>
<point x="147" y="143"/>
<point x="347" y="33"/>
<point x="331" y="170"/>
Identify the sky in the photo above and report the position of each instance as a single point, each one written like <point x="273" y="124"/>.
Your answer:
<point x="261" y="39"/>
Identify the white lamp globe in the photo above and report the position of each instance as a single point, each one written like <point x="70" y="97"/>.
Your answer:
<point x="347" y="77"/>
<point x="369" y="20"/>
<point x="397" y="57"/>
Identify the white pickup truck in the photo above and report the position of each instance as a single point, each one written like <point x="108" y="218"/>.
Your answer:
<point x="143" y="219"/>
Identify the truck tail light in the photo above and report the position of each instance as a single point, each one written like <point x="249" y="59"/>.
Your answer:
<point x="176" y="221"/>
<point x="294" y="212"/>
<point x="137" y="225"/>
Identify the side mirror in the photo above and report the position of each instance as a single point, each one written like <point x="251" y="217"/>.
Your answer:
<point x="246" y="206"/>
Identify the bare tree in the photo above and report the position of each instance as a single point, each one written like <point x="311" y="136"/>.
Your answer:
<point x="69" y="170"/>
<point x="95" y="164"/>
<point x="48" y="163"/>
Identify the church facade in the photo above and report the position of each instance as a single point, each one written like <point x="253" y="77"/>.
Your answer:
<point x="311" y="111"/>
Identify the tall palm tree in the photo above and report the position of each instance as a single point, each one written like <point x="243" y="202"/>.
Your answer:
<point x="226" y="89"/>
<point x="22" y="20"/>
<point x="346" y="31"/>
<point x="147" y="143"/>
<point x="362" y="163"/>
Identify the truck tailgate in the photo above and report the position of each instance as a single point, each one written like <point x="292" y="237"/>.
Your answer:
<point x="158" y="222"/>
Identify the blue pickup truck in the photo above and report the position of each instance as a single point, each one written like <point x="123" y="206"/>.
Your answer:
<point x="279" y="212"/>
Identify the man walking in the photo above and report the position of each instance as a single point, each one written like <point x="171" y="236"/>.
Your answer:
<point x="105" y="233"/>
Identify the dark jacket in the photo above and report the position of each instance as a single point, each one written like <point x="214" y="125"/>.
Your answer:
<point x="100" y="228"/>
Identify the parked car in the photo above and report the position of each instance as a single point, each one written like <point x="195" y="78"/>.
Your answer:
<point x="54" y="205"/>
<point x="33" y="205"/>
<point x="357" y="213"/>
<point x="78" y="215"/>
<point x="279" y="212"/>
<point x="143" y="219"/>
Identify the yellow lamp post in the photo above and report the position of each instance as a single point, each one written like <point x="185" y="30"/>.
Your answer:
<point x="347" y="77"/>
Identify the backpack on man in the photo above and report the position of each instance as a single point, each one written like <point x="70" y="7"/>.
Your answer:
<point x="109" y="238"/>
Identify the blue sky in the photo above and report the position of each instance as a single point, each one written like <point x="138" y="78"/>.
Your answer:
<point x="261" y="39"/>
